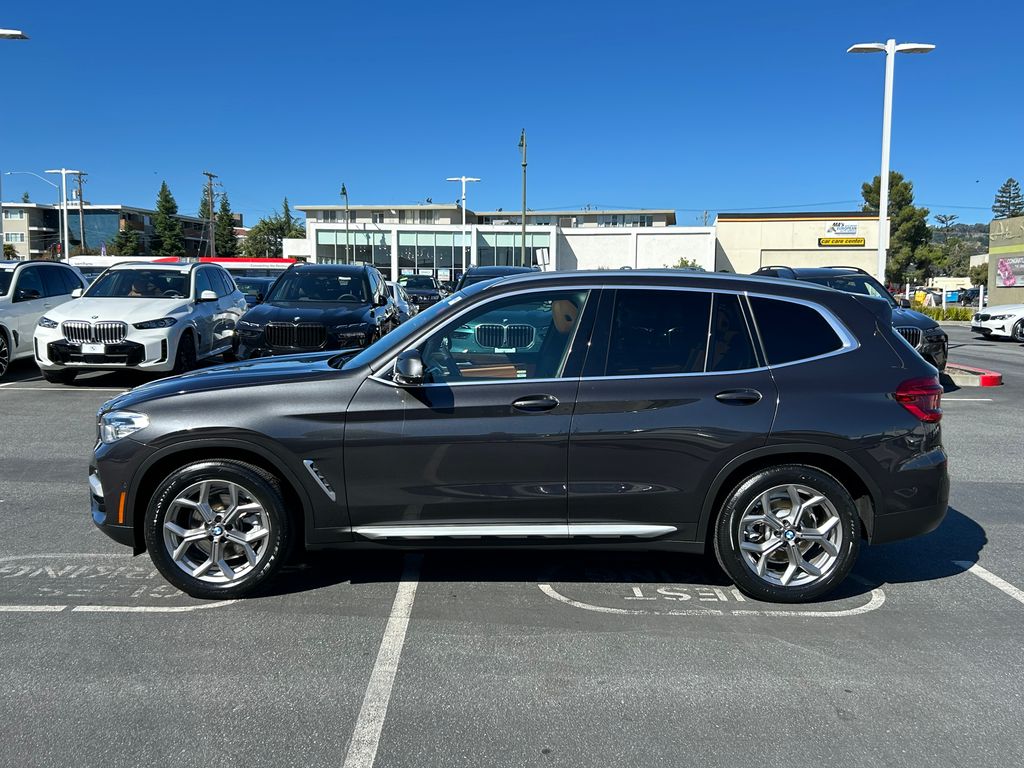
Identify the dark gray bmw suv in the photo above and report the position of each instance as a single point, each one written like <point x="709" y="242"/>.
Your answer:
<point x="653" y="410"/>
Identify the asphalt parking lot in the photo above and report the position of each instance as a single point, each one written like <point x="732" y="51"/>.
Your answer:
<point x="510" y="658"/>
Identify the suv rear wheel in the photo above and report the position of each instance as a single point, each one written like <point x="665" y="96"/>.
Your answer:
<point x="218" y="529"/>
<point x="788" y="534"/>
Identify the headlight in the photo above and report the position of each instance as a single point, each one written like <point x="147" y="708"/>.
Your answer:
<point x="999" y="317"/>
<point x="117" y="424"/>
<point x="45" y="322"/>
<point x="163" y="322"/>
<point x="247" y="325"/>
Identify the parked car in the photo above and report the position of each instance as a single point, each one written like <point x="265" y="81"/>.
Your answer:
<point x="923" y="333"/>
<point x="318" y="306"/>
<point x="406" y="307"/>
<point x="479" y="274"/>
<point x="254" y="288"/>
<point x="1002" y="322"/>
<point x="150" y="317"/>
<point x="969" y="297"/>
<point x="673" y="411"/>
<point x="28" y="290"/>
<point x="424" y="290"/>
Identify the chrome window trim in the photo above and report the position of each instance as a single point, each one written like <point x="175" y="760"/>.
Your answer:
<point x="513" y="531"/>
<point x="848" y="340"/>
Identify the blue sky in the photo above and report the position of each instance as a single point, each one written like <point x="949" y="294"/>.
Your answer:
<point x="718" y="106"/>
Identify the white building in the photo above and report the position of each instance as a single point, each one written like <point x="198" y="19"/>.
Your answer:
<point x="429" y="239"/>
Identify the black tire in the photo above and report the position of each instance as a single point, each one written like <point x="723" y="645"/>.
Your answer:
<point x="1018" y="332"/>
<point x="745" y="501"/>
<point x="185" y="359"/>
<point x="258" y="484"/>
<point x="63" y="376"/>
<point x="5" y="353"/>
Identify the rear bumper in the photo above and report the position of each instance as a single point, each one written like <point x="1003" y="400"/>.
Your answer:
<point x="916" y="501"/>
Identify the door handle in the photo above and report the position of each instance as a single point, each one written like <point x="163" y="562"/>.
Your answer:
<point x="536" y="403"/>
<point x="739" y="397"/>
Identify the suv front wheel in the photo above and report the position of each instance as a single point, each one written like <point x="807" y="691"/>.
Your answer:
<point x="788" y="534"/>
<point x="218" y="529"/>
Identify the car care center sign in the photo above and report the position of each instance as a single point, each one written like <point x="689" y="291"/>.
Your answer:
<point x="1006" y="248"/>
<point x="841" y="234"/>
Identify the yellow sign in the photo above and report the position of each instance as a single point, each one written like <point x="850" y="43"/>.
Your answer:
<point x="840" y="242"/>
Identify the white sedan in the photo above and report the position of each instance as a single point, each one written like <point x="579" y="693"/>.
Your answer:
<point x="154" y="317"/>
<point x="1006" y="322"/>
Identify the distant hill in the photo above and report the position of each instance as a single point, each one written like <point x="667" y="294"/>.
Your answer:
<point x="974" y="236"/>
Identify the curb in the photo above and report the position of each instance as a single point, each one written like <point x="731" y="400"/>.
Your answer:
<point x="968" y="376"/>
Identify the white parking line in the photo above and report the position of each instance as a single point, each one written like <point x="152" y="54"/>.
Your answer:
<point x="967" y="399"/>
<point x="995" y="581"/>
<point x="32" y="608"/>
<point x="362" y="750"/>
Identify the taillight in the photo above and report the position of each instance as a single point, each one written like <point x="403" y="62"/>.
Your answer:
<point x="922" y="397"/>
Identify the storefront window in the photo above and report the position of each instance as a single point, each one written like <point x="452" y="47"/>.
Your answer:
<point x="425" y="250"/>
<point x="407" y="250"/>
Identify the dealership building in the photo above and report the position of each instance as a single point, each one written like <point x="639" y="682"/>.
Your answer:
<point x="431" y="239"/>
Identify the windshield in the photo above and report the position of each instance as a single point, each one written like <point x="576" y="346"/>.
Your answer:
<point x="397" y="338"/>
<point x="5" y="281"/>
<point x="862" y="284"/>
<point x="417" y="281"/>
<point x="141" y="283"/>
<point x="319" y="286"/>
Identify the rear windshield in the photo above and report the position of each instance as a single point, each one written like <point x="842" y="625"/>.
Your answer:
<point x="862" y="284"/>
<point x="141" y="283"/>
<point x="322" y="287"/>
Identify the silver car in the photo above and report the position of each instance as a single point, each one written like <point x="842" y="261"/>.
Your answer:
<point x="406" y="307"/>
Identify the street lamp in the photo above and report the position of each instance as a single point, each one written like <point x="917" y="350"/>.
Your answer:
<point x="41" y="178"/>
<point x="890" y="48"/>
<point x="344" y="194"/>
<point x="463" y="179"/>
<point x="12" y="34"/>
<point x="64" y="204"/>
<point x="522" y="146"/>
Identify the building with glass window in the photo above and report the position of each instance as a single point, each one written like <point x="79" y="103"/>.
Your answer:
<point x="34" y="229"/>
<point x="430" y="239"/>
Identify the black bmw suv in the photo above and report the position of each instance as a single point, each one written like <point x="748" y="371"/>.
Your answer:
<point x="317" y="306"/>
<point x="923" y="333"/>
<point x="424" y="290"/>
<point x="647" y="410"/>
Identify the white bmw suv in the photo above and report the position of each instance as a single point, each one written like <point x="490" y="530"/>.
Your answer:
<point x="145" y="316"/>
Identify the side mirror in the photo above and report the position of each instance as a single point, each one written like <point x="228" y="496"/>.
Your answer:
<point x="409" y="368"/>
<point x="77" y="293"/>
<point x="26" y="294"/>
<point x="905" y="303"/>
<point x="382" y="301"/>
<point x="259" y="298"/>
<point x="207" y="296"/>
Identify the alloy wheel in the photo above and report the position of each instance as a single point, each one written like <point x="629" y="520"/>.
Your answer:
<point x="216" y="531"/>
<point x="791" y="535"/>
<point x="1018" y="331"/>
<point x="5" y="355"/>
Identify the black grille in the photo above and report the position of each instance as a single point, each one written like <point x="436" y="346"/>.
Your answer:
<point x="504" y="336"/>
<point x="296" y="335"/>
<point x="911" y="334"/>
<point x="982" y="318"/>
<point x="84" y="332"/>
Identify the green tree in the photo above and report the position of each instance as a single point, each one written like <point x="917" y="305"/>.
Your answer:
<point x="225" y="239"/>
<point x="685" y="263"/>
<point x="125" y="243"/>
<point x="266" y="236"/>
<point x="1009" y="202"/>
<point x="286" y="214"/>
<point x="25" y="198"/>
<point x="204" y="206"/>
<point x="168" y="234"/>
<point x="979" y="275"/>
<point x="910" y="255"/>
<point x="10" y="252"/>
<point x="946" y="221"/>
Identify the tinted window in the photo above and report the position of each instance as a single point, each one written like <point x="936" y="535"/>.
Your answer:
<point x="53" y="285"/>
<point x="203" y="282"/>
<point x="518" y="337"/>
<point x="6" y="275"/>
<point x="71" y="281"/>
<point x="656" y="332"/>
<point x="30" y="284"/>
<point x="144" y="283"/>
<point x="319" y="286"/>
<point x="793" y="331"/>
<point x="731" y="348"/>
<point x="862" y="284"/>
<point x="224" y="279"/>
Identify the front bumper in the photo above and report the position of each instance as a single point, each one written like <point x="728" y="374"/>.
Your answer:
<point x="108" y="492"/>
<point x="251" y="345"/>
<point x="935" y="349"/>
<point x="993" y="327"/>
<point x="149" y="350"/>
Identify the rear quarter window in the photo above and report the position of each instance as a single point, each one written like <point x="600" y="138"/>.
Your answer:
<point x="792" y="331"/>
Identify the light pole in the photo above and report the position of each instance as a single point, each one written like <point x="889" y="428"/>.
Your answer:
<point x="64" y="203"/>
<point x="344" y="194"/>
<point x="522" y="146"/>
<point x="890" y="48"/>
<point x="463" y="179"/>
<point x="41" y="178"/>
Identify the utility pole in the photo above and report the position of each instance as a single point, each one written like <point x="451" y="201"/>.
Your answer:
<point x="344" y="194"/>
<point x="81" y="213"/>
<point x="522" y="146"/>
<point x="209" y="196"/>
<point x="463" y="179"/>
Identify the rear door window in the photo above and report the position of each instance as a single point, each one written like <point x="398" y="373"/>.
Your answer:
<point x="53" y="284"/>
<point x="658" y="332"/>
<point x="792" y="331"/>
<point x="730" y="348"/>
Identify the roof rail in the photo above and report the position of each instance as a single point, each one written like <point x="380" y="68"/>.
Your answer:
<point x="790" y="270"/>
<point x="844" y="266"/>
